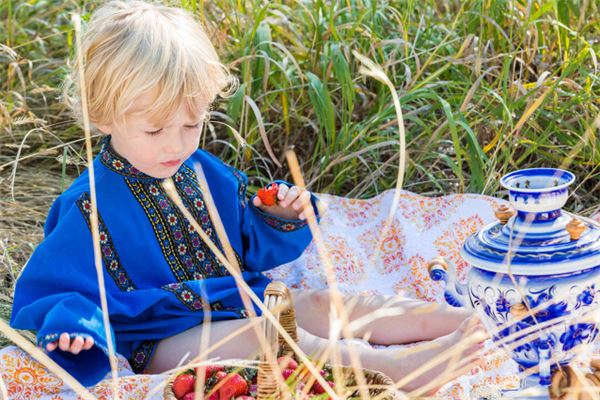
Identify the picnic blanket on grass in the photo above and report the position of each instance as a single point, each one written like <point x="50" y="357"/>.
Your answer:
<point x="365" y="263"/>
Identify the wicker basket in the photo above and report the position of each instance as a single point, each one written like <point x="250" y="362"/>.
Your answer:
<point x="277" y="300"/>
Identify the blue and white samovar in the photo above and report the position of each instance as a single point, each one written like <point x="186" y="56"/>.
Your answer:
<point x="535" y="276"/>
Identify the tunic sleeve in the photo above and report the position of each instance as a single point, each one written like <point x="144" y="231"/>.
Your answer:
<point x="57" y="292"/>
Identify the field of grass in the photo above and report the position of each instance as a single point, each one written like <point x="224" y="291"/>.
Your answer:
<point x="485" y="86"/>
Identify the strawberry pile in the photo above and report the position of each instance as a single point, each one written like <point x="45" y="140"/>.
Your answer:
<point x="225" y="383"/>
<point x="220" y="383"/>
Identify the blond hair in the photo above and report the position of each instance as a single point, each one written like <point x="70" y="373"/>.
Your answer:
<point x="131" y="47"/>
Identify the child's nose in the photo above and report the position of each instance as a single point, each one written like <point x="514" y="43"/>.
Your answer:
<point x="174" y="144"/>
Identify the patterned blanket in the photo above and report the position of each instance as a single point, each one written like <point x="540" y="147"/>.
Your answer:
<point x="365" y="263"/>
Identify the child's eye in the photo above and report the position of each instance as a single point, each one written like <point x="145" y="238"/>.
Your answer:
<point x="156" y="132"/>
<point x="193" y="126"/>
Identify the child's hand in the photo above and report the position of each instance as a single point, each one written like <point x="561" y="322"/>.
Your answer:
<point x="75" y="346"/>
<point x="292" y="203"/>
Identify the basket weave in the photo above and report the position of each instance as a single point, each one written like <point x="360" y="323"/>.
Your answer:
<point x="278" y="301"/>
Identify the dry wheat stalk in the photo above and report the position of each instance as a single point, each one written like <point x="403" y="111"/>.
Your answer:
<point x="45" y="360"/>
<point x="338" y="311"/>
<point x="94" y="212"/>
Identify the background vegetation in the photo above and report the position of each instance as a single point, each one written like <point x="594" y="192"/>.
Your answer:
<point x="486" y="87"/>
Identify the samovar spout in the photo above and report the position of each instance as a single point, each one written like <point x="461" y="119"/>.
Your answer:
<point x="455" y="293"/>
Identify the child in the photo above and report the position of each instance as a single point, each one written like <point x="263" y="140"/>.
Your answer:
<point x="151" y="75"/>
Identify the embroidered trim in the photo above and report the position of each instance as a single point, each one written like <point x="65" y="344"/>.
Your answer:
<point x="189" y="258"/>
<point x="166" y="227"/>
<point x="51" y="337"/>
<point x="118" y="164"/>
<point x="242" y="182"/>
<point x="110" y="257"/>
<point x="186" y="295"/>
<point x="141" y="356"/>
<point x="190" y="298"/>
<point x="283" y="225"/>
<point x="191" y="194"/>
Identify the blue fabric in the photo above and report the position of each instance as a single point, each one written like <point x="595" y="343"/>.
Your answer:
<point x="158" y="272"/>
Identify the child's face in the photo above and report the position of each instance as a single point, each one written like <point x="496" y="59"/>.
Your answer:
<point x="157" y="151"/>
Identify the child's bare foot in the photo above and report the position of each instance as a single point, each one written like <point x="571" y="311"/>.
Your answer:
<point x="452" y="351"/>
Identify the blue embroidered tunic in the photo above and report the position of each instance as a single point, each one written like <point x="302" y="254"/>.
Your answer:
<point x="158" y="271"/>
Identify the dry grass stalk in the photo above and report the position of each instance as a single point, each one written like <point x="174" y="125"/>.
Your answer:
<point x="204" y="342"/>
<point x="337" y="307"/>
<point x="510" y="343"/>
<point x="170" y="189"/>
<point x="261" y="130"/>
<point x="445" y="355"/>
<point x="45" y="360"/>
<point x="369" y="68"/>
<point x="230" y="254"/>
<point x="48" y="150"/>
<point x="94" y="212"/>
<point x="588" y="136"/>
<point x="464" y="366"/>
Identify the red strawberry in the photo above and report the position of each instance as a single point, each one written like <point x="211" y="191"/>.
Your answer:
<point x="214" y="396"/>
<point x="209" y="370"/>
<point x="318" y="389"/>
<point x="268" y="195"/>
<point x="233" y="386"/>
<point x="190" y="396"/>
<point x="220" y="375"/>
<point x="286" y="362"/>
<point x="183" y="384"/>
<point x="287" y="373"/>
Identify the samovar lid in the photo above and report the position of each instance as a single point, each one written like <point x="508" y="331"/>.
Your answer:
<point x="535" y="236"/>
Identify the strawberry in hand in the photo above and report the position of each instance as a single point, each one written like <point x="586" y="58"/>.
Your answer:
<point x="268" y="195"/>
<point x="284" y="202"/>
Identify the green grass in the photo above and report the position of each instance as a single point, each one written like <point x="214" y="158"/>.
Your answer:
<point x="486" y="87"/>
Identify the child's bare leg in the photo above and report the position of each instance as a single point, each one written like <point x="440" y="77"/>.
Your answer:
<point x="185" y="346"/>
<point x="452" y="353"/>
<point x="413" y="320"/>
<point x="452" y="349"/>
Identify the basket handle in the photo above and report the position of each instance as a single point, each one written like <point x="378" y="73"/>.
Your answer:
<point x="279" y="301"/>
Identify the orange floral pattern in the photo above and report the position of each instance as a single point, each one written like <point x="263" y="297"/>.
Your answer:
<point x="24" y="377"/>
<point x="427" y="212"/>
<point x="448" y="245"/>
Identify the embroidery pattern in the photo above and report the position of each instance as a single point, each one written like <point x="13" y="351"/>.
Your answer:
<point x="241" y="182"/>
<point x="280" y="224"/>
<point x="189" y="191"/>
<point x="186" y="295"/>
<point x="110" y="258"/>
<point x="141" y="356"/>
